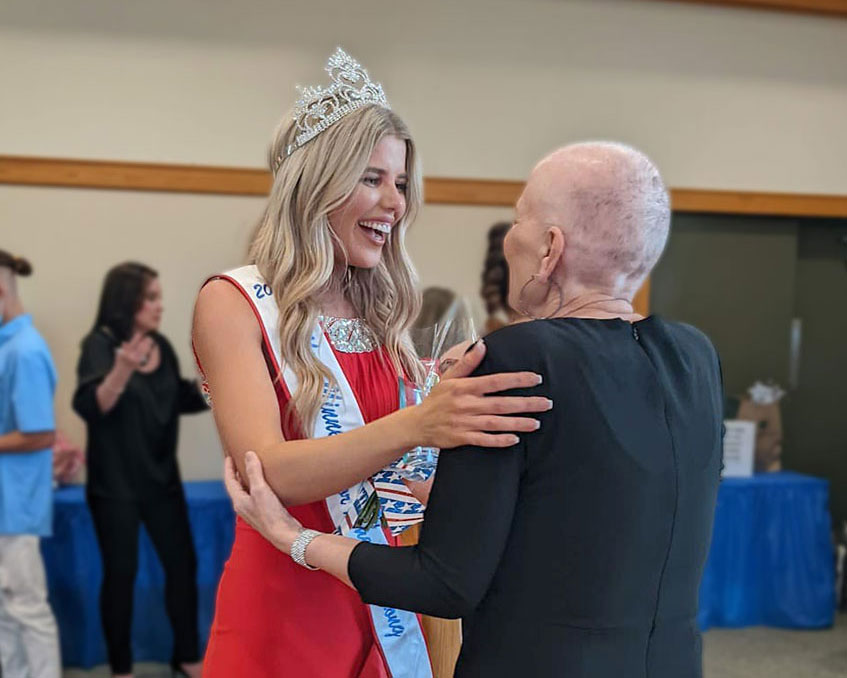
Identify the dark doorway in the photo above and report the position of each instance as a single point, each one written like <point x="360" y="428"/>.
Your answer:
<point x="743" y="280"/>
<point x="815" y="409"/>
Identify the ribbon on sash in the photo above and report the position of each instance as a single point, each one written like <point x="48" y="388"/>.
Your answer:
<point x="398" y="631"/>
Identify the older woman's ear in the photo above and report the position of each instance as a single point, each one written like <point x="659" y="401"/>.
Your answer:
<point x="555" y="241"/>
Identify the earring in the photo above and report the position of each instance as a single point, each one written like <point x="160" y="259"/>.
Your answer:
<point x="348" y="277"/>
<point x="551" y="283"/>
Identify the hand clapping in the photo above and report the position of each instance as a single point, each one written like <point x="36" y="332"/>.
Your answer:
<point x="135" y="353"/>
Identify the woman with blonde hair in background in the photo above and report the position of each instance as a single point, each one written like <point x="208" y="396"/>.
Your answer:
<point x="444" y="319"/>
<point x="301" y="353"/>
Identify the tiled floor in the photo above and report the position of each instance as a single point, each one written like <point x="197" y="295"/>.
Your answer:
<point x="759" y="652"/>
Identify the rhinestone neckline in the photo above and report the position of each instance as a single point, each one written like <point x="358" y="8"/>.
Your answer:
<point x="349" y="335"/>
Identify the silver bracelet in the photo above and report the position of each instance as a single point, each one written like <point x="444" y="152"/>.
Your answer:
<point x="298" y="548"/>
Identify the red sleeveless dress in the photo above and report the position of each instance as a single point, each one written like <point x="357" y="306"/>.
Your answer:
<point x="275" y="619"/>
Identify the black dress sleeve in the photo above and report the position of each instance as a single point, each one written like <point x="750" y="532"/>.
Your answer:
<point x="189" y="398"/>
<point x="467" y="523"/>
<point x="95" y="362"/>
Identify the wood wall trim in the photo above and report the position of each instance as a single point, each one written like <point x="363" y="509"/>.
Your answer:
<point x="764" y="204"/>
<point x="133" y="176"/>
<point x="33" y="171"/>
<point x="482" y="192"/>
<point x="828" y="7"/>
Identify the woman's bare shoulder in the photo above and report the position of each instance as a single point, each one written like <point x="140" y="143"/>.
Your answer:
<point x="220" y="307"/>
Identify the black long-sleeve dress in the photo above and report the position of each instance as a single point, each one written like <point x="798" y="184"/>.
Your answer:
<point x="133" y="478"/>
<point x="577" y="553"/>
<point x="131" y="451"/>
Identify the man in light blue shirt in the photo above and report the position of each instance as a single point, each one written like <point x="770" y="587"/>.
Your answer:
<point x="29" y="646"/>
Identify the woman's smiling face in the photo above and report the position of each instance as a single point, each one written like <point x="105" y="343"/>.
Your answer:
<point x="364" y="222"/>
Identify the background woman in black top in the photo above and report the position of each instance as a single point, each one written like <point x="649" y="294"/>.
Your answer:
<point x="578" y="552"/>
<point x="130" y="394"/>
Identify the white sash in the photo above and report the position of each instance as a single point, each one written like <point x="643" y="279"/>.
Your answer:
<point x="397" y="631"/>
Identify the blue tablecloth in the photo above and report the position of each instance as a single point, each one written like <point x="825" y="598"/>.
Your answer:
<point x="771" y="561"/>
<point x="74" y="572"/>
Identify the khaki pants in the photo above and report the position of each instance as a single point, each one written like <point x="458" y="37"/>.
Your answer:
<point x="29" y="638"/>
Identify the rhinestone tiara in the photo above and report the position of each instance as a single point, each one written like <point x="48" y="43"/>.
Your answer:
<point x="318" y="108"/>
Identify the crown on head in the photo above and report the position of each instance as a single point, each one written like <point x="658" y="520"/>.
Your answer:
<point x="318" y="108"/>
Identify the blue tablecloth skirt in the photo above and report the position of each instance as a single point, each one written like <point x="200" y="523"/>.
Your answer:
<point x="771" y="561"/>
<point x="74" y="573"/>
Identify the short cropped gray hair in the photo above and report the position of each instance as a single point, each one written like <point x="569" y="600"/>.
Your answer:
<point x="618" y="215"/>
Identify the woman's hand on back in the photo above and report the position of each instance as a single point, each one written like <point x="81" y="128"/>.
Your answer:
<point x="461" y="410"/>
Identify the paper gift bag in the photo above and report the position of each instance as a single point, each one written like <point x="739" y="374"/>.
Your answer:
<point x="761" y="406"/>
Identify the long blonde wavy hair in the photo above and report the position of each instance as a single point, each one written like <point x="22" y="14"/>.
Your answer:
<point x="296" y="250"/>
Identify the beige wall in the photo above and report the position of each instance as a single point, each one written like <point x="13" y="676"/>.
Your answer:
<point x="73" y="236"/>
<point x="721" y="98"/>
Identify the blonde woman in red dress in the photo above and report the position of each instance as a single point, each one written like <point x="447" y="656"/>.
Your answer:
<point x="301" y="353"/>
